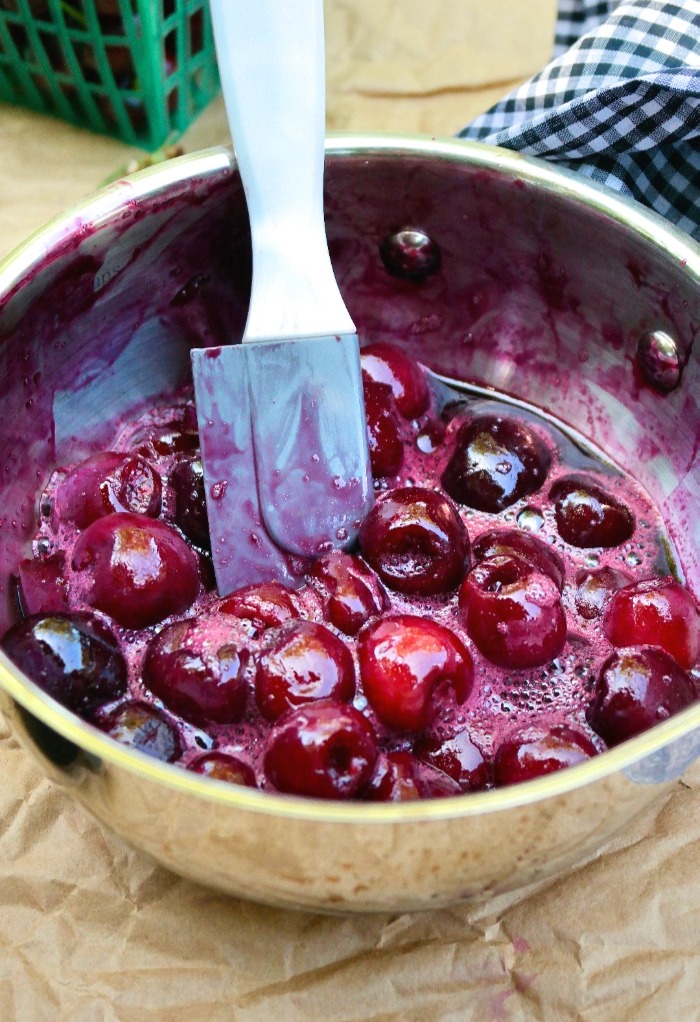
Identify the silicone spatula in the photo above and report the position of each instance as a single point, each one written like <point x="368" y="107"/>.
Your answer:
<point x="281" y="416"/>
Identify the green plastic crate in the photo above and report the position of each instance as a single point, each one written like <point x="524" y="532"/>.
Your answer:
<point x="140" y="70"/>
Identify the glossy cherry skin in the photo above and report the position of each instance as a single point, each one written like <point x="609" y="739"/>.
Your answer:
<point x="306" y="662"/>
<point x="187" y="481"/>
<point x="415" y="541"/>
<point x="595" y="587"/>
<point x="264" y="604"/>
<point x="406" y="662"/>
<point x="351" y="592"/>
<point x="657" y="612"/>
<point x="221" y="766"/>
<point x="587" y="516"/>
<point x="458" y="757"/>
<point x="137" y="570"/>
<point x="636" y="689"/>
<point x="401" y="777"/>
<point x="73" y="657"/>
<point x="508" y="542"/>
<point x="43" y="584"/>
<point x="324" y="750"/>
<point x="202" y="679"/>
<point x="106" y="483"/>
<point x="495" y="462"/>
<point x="386" y="364"/>
<point x="536" y="751"/>
<point x="410" y="255"/>
<point x="383" y="430"/>
<point x="146" y="729"/>
<point x="513" y="613"/>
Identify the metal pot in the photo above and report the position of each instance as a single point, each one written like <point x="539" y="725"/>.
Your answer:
<point x="551" y="290"/>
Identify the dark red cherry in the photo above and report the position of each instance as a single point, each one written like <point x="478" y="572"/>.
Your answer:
<point x="595" y="587"/>
<point x="415" y="541"/>
<point x="401" y="777"/>
<point x="325" y="750"/>
<point x="137" y="570"/>
<point x="385" y="364"/>
<point x="221" y="766"/>
<point x="199" y="676"/>
<point x="72" y="657"/>
<point x="350" y="591"/>
<point x="495" y="462"/>
<point x="146" y="729"/>
<point x="513" y="612"/>
<point x="506" y="542"/>
<point x="410" y="254"/>
<point x="305" y="662"/>
<point x="43" y="584"/>
<point x="383" y="430"/>
<point x="536" y="751"/>
<point x="264" y="604"/>
<point x="406" y="663"/>
<point x="187" y="481"/>
<point x="105" y="483"/>
<point x="456" y="756"/>
<point x="657" y="612"/>
<point x="587" y="516"/>
<point x="636" y="689"/>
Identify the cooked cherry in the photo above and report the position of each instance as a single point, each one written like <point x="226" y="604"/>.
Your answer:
<point x="656" y="612"/>
<point x="137" y="570"/>
<point x="536" y="751"/>
<point x="410" y="255"/>
<point x="72" y="657"/>
<point x="406" y="663"/>
<point x="108" y="482"/>
<point x="43" y="584"/>
<point x="495" y="462"/>
<point x="415" y="541"/>
<point x="325" y="750"/>
<point x="388" y="365"/>
<point x="506" y="542"/>
<point x="587" y="516"/>
<point x="456" y="756"/>
<point x="187" y="481"/>
<point x="223" y="767"/>
<point x="636" y="689"/>
<point x="264" y="604"/>
<point x="350" y="591"/>
<point x="201" y="677"/>
<point x="306" y="662"/>
<point x="383" y="430"/>
<point x="146" y="729"/>
<point x="513" y="612"/>
<point x="595" y="587"/>
<point x="401" y="777"/>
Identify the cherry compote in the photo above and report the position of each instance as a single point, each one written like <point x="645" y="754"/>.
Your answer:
<point x="511" y="609"/>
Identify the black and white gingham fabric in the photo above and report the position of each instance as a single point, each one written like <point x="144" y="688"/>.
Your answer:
<point x="620" y="103"/>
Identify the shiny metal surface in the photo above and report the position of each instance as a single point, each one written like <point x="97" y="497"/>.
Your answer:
<point x="588" y="271"/>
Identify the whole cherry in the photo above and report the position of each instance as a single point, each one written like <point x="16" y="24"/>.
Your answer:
<point x="406" y="662"/>
<point x="351" y="593"/>
<point x="137" y="570"/>
<point x="401" y="777"/>
<point x="383" y="430"/>
<point x="457" y="756"/>
<point x="636" y="689"/>
<point x="264" y="604"/>
<point x="73" y="657"/>
<point x="656" y="612"/>
<point x="108" y="482"/>
<point x="588" y="516"/>
<point x="508" y="542"/>
<point x="535" y="751"/>
<point x="324" y="750"/>
<point x="221" y="766"/>
<point x="304" y="663"/>
<point x="386" y="364"/>
<point x="513" y="612"/>
<point x="415" y="541"/>
<point x="146" y="729"/>
<point x="595" y="587"/>
<point x="496" y="461"/>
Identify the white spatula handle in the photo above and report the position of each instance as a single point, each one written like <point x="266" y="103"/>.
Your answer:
<point x="272" y="65"/>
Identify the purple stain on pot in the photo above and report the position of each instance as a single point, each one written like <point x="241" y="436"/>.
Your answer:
<point x="552" y="281"/>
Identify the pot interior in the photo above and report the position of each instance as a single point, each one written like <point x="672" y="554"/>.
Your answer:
<point x="541" y="295"/>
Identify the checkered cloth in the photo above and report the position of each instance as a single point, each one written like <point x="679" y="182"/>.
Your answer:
<point x="620" y="103"/>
